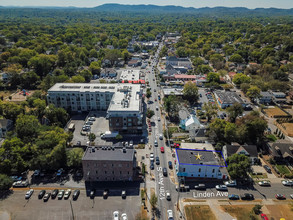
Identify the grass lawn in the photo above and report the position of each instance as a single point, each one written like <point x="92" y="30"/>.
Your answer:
<point x="283" y="169"/>
<point x="199" y="212"/>
<point x="272" y="137"/>
<point x="241" y="212"/>
<point x="6" y="93"/>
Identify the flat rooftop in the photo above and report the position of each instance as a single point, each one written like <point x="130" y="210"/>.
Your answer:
<point x="228" y="97"/>
<point x="108" y="153"/>
<point x="130" y="75"/>
<point x="197" y="157"/>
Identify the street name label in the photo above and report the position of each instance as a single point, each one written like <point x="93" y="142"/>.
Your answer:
<point x="209" y="194"/>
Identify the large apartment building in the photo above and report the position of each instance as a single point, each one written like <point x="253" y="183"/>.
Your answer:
<point x="121" y="101"/>
<point x="109" y="163"/>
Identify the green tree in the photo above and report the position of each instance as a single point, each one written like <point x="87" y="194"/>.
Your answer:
<point x="153" y="201"/>
<point x="87" y="75"/>
<point x="203" y="69"/>
<point x="56" y="116"/>
<point x="92" y="137"/>
<point x="148" y="93"/>
<point x="238" y="166"/>
<point x="5" y="182"/>
<point x="244" y="87"/>
<point x="27" y="127"/>
<point x="171" y="104"/>
<point x="209" y="110"/>
<point x="112" y="55"/>
<point x="213" y="77"/>
<point x="236" y="58"/>
<point x="150" y="113"/>
<point x="234" y="111"/>
<point x="241" y="78"/>
<point x="95" y="67"/>
<point x="78" y="79"/>
<point x="42" y="63"/>
<point x="253" y="92"/>
<point x="74" y="157"/>
<point x="40" y="106"/>
<point x="190" y="92"/>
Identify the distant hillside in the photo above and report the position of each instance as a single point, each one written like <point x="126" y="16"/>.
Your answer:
<point x="179" y="9"/>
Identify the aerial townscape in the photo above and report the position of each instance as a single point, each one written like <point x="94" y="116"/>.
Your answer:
<point x="144" y="112"/>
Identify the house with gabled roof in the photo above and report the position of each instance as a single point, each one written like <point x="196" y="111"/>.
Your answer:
<point x="281" y="151"/>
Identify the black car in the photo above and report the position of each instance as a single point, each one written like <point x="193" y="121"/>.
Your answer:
<point x="267" y="168"/>
<point x="75" y="194"/>
<point x="200" y="187"/>
<point x="170" y="165"/>
<point x="54" y="193"/>
<point x="92" y="194"/>
<point x="247" y="196"/>
<point x="46" y="197"/>
<point x="165" y="173"/>
<point x="157" y="160"/>
<point x="152" y="165"/>
<point x="41" y="194"/>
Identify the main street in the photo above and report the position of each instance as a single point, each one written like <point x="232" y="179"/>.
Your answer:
<point x="163" y="183"/>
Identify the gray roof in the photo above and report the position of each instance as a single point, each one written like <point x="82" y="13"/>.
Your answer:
<point x="267" y="94"/>
<point x="229" y="97"/>
<point x="250" y="149"/>
<point x="282" y="148"/>
<point x="188" y="156"/>
<point x="108" y="153"/>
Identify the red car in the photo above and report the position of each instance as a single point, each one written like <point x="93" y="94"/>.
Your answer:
<point x="264" y="217"/>
<point x="280" y="196"/>
<point x="176" y="145"/>
<point x="162" y="150"/>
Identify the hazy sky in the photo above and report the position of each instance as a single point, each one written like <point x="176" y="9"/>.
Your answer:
<point x="185" y="3"/>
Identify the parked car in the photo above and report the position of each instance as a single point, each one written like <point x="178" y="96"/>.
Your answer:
<point x="46" y="197"/>
<point x="61" y="194"/>
<point x="105" y="193"/>
<point x="115" y="215"/>
<point x="162" y="150"/>
<point x="170" y="214"/>
<point x="41" y="194"/>
<point x="221" y="187"/>
<point x="29" y="194"/>
<point x="156" y="143"/>
<point x="152" y="157"/>
<point x="267" y="168"/>
<point x="280" y="196"/>
<point x="287" y="182"/>
<point x="92" y="118"/>
<point x="75" y="194"/>
<point x="67" y="194"/>
<point x="233" y="197"/>
<point x="161" y="137"/>
<point x="54" y="193"/>
<point x="152" y="166"/>
<point x="123" y="194"/>
<point x="157" y="161"/>
<point x="264" y="183"/>
<point x="124" y="216"/>
<point x="247" y="196"/>
<point x="165" y="173"/>
<point x="168" y="195"/>
<point x="20" y="184"/>
<point x="89" y="123"/>
<point x="170" y="165"/>
<point x="200" y="187"/>
<point x="92" y="193"/>
<point x="230" y="183"/>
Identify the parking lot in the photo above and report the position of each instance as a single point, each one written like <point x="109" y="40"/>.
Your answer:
<point x="83" y="208"/>
<point x="100" y="125"/>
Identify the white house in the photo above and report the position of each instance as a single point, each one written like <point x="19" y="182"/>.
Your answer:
<point x="198" y="164"/>
<point x="190" y="123"/>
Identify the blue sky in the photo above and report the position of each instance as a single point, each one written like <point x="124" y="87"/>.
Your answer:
<point x="185" y="3"/>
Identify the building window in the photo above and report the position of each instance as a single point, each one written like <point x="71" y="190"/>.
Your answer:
<point x="120" y="172"/>
<point x="120" y="165"/>
<point x="199" y="175"/>
<point x="105" y="165"/>
<point x="96" y="172"/>
<point x="97" y="178"/>
<point x="112" y="172"/>
<point x="199" y="170"/>
<point x="112" y="165"/>
<point x="183" y="169"/>
<point x="128" y="172"/>
<point x="105" y="172"/>
<point x="213" y="170"/>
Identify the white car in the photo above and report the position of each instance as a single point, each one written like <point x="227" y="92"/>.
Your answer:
<point x="152" y="156"/>
<point x="264" y="183"/>
<point x="161" y="137"/>
<point x="115" y="215"/>
<point x="221" y="187"/>
<point x="168" y="195"/>
<point x="170" y="214"/>
<point x="287" y="182"/>
<point x="230" y="183"/>
<point x="67" y="194"/>
<point x="29" y="193"/>
<point x="124" y="216"/>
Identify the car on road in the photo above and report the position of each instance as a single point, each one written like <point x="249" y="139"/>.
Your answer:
<point x="264" y="183"/>
<point x="161" y="137"/>
<point x="152" y="166"/>
<point x="233" y="197"/>
<point x="165" y="172"/>
<point x="280" y="196"/>
<point x="170" y="164"/>
<point x="92" y="193"/>
<point x="41" y="194"/>
<point x="152" y="157"/>
<point x="61" y="194"/>
<point x="168" y="195"/>
<point x="267" y="168"/>
<point x="200" y="186"/>
<point x="157" y="108"/>
<point x="230" y="183"/>
<point x="75" y="194"/>
<point x="170" y="214"/>
<point x="156" y="143"/>
<point x="162" y="150"/>
<point x="124" y="216"/>
<point x="54" y="193"/>
<point x="46" y="197"/>
<point x="67" y="194"/>
<point x="287" y="182"/>
<point x="105" y="193"/>
<point x="123" y="194"/>
<point x="247" y="196"/>
<point x="29" y="194"/>
<point x="221" y="187"/>
<point x="157" y="161"/>
<point x="115" y="215"/>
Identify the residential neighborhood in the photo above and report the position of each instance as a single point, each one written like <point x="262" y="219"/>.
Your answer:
<point x="115" y="118"/>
